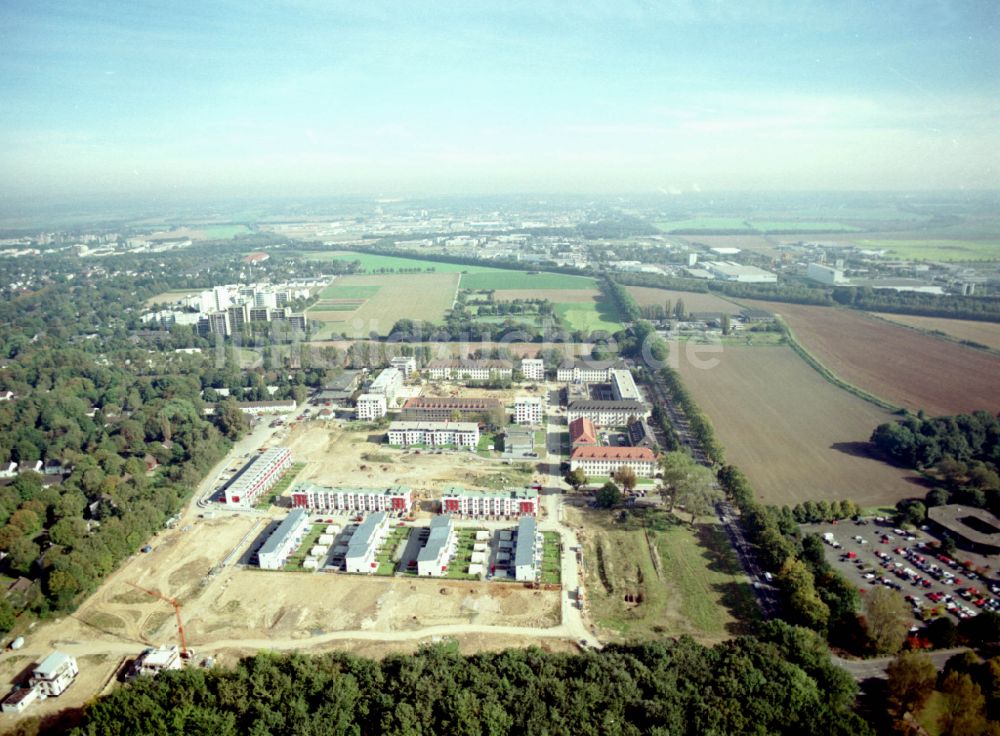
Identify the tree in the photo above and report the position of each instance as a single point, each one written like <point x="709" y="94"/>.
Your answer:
<point x="22" y="555"/>
<point x="608" y="496"/>
<point x="680" y="311"/>
<point x="804" y="603"/>
<point x="625" y="477"/>
<point x="230" y="420"/>
<point x="7" y="617"/>
<point x="911" y="681"/>
<point x="963" y="706"/>
<point x="887" y="619"/>
<point x="576" y="478"/>
<point x="726" y="323"/>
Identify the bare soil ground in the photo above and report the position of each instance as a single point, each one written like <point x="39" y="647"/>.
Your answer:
<point x="984" y="333"/>
<point x="796" y="436"/>
<point x="693" y="301"/>
<point x="898" y="364"/>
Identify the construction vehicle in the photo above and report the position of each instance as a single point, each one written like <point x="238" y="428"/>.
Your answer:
<point x="186" y="654"/>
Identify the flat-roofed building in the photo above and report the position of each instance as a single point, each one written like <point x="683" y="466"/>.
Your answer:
<point x="606" y="460"/>
<point x="371" y="407"/>
<point x="19" y="699"/>
<point x="528" y="410"/>
<point x="364" y="543"/>
<point x="54" y="674"/>
<point x="607" y="413"/>
<point x="444" y="409"/>
<point x="623" y="385"/>
<point x="257" y="476"/>
<point x="518" y="442"/>
<point x="154" y="661"/>
<point x="527" y="550"/>
<point x="533" y="369"/>
<point x="405" y="364"/>
<point x="387" y="382"/>
<point x="510" y="502"/>
<point x="432" y="560"/>
<point x="395" y="499"/>
<point x="976" y="530"/>
<point x="284" y="540"/>
<point x="434" y="434"/>
<point x="582" y="432"/>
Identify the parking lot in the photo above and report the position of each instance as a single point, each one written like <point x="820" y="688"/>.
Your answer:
<point x="871" y="553"/>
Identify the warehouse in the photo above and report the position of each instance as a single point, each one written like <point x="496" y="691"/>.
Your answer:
<point x="512" y="502"/>
<point x="364" y="543"/>
<point x="527" y="550"/>
<point x="396" y="499"/>
<point x="283" y="541"/>
<point x="257" y="476"/>
<point x="432" y="561"/>
<point x="607" y="413"/>
<point x="434" y="434"/>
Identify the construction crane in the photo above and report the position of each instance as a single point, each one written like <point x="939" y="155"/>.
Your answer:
<point x="185" y="654"/>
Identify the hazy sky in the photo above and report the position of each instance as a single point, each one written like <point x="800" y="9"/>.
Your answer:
<point x="292" y="97"/>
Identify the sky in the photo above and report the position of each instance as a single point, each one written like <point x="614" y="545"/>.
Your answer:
<point x="324" y="98"/>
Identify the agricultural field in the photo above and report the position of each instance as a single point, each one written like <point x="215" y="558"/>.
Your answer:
<point x="651" y="576"/>
<point x="934" y="249"/>
<point x="396" y="296"/>
<point x="704" y="223"/>
<point x="374" y="262"/>
<point x="590" y="316"/>
<point x="982" y="333"/>
<point x="802" y="226"/>
<point x="892" y="362"/>
<point x="553" y="295"/>
<point x="503" y="279"/>
<point x="646" y="296"/>
<point x="795" y="435"/>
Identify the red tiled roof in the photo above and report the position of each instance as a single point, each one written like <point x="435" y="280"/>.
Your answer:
<point x="582" y="432"/>
<point x="613" y="453"/>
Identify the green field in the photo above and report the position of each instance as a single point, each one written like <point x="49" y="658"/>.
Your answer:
<point x="384" y="556"/>
<point x="373" y="262"/>
<point x="590" y="316"/>
<point x="803" y="226"/>
<point x="503" y="279"/>
<point x="223" y="232"/>
<point x="939" y="250"/>
<point x="348" y="291"/>
<point x="704" y="223"/>
<point x="551" y="558"/>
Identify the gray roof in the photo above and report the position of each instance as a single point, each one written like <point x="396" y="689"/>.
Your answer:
<point x="584" y="404"/>
<point x="524" y="553"/>
<point x="51" y="664"/>
<point x="280" y="535"/>
<point x="362" y="538"/>
<point x="438" y="538"/>
<point x="594" y="365"/>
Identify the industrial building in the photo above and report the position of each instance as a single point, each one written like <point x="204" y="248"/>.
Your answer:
<point x="588" y="371"/>
<point x="512" y="502"/>
<point x="623" y="385"/>
<point x="341" y="389"/>
<point x="396" y="499"/>
<point x="528" y="410"/>
<point x="731" y="271"/>
<point x="257" y="476"/>
<point x="283" y="541"/>
<point x="432" y="560"/>
<point x="444" y="409"/>
<point x="434" y="434"/>
<point x="371" y="407"/>
<point x="533" y="369"/>
<point x="606" y="460"/>
<point x="527" y="550"/>
<point x="54" y="674"/>
<point x="582" y="432"/>
<point x="607" y="413"/>
<point x="364" y="543"/>
<point x="825" y="274"/>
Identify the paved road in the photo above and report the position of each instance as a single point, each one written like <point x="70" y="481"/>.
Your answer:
<point x="866" y="669"/>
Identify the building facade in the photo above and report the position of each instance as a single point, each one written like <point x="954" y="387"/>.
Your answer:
<point x="587" y="371"/>
<point x="434" y="434"/>
<point x="283" y="541"/>
<point x="607" y="413"/>
<point x="54" y="674"/>
<point x="371" y="407"/>
<point x="606" y="460"/>
<point x="514" y="502"/>
<point x="528" y="410"/>
<point x="623" y="385"/>
<point x="533" y="369"/>
<point x="433" y="409"/>
<point x="527" y="550"/>
<point x="396" y="499"/>
<point x="405" y="364"/>
<point x="432" y="560"/>
<point x="258" y="476"/>
<point x="470" y="370"/>
<point x="364" y="543"/>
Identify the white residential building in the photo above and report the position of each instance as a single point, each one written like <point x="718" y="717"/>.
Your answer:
<point x="154" y="661"/>
<point x="623" y="385"/>
<point x="396" y="499"/>
<point x="434" y="434"/>
<point x="606" y="460"/>
<point x="258" y="476"/>
<point x="364" y="543"/>
<point x="432" y="560"/>
<point x="387" y="383"/>
<point x="512" y="502"/>
<point x="587" y="371"/>
<point x="607" y="413"/>
<point x="371" y="407"/>
<point x="528" y="410"/>
<point x="527" y="550"/>
<point x="55" y="673"/>
<point x="283" y="541"/>
<point x="407" y="365"/>
<point x="470" y="370"/>
<point x="533" y="369"/>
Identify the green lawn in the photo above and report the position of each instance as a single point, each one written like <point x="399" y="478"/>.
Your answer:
<point x="223" y="232"/>
<point x="590" y="316"/>
<point x="282" y="485"/>
<point x="294" y="561"/>
<point x="802" y="226"/>
<point x="384" y="556"/>
<point x="704" y="223"/>
<point x="506" y="279"/>
<point x="551" y="558"/>
<point x="348" y="291"/>
<point x="459" y="565"/>
<point x="939" y="250"/>
<point x="373" y="262"/>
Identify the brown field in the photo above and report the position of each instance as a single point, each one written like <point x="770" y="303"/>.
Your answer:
<point x="897" y="364"/>
<point x="984" y="333"/>
<point x="425" y="296"/>
<point x="796" y="436"/>
<point x="694" y="301"/>
<point x="553" y="295"/>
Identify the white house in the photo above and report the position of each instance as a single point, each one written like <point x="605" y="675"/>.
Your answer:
<point x="607" y="413"/>
<point x="528" y="410"/>
<point x="432" y="560"/>
<point x="533" y="369"/>
<point x="434" y="434"/>
<point x="407" y="365"/>
<point x="364" y="543"/>
<point x="387" y="383"/>
<point x="606" y="460"/>
<point x="283" y="541"/>
<point x="371" y="407"/>
<point x="55" y="673"/>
